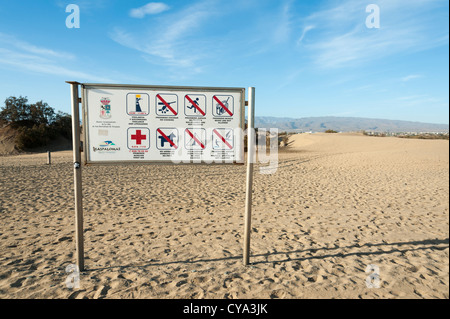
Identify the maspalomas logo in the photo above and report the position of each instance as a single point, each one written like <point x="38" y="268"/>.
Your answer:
<point x="107" y="143"/>
<point x="106" y="147"/>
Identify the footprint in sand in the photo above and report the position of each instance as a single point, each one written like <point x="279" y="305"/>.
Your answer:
<point x="101" y="292"/>
<point x="17" y="283"/>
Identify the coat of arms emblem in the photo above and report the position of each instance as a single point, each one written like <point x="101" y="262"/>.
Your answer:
<point x="105" y="108"/>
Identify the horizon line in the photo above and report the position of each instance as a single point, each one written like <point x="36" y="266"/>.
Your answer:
<point x="352" y="117"/>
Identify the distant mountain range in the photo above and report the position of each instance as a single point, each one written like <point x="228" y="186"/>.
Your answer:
<point x="345" y="124"/>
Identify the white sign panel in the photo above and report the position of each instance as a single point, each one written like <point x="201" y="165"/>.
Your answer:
<point x="125" y="123"/>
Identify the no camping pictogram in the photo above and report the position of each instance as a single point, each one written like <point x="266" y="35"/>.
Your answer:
<point x="166" y="104"/>
<point x="222" y="138"/>
<point x="223" y="105"/>
<point x="167" y="138"/>
<point x="195" y="138"/>
<point x="195" y="105"/>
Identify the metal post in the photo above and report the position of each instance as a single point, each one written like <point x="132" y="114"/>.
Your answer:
<point x="77" y="176"/>
<point x="49" y="158"/>
<point x="249" y="184"/>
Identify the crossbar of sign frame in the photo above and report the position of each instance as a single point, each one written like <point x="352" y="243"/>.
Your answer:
<point x="151" y="124"/>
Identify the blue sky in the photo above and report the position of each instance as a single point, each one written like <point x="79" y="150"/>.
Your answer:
<point x="305" y="58"/>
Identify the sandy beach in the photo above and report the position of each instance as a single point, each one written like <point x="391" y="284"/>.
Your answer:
<point x="336" y="204"/>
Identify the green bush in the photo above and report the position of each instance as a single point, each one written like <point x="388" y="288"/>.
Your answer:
<point x="35" y="136"/>
<point x="36" y="123"/>
<point x="63" y="124"/>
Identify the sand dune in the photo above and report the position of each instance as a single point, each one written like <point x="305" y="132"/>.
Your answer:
<point x="336" y="204"/>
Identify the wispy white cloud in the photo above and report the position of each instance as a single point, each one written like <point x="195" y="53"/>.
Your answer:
<point x="87" y="6"/>
<point x="305" y="30"/>
<point x="149" y="9"/>
<point x="341" y="38"/>
<point x="410" y="77"/>
<point x="33" y="64"/>
<point x="28" y="57"/>
<point x="418" y="100"/>
<point x="268" y="30"/>
<point x="12" y="41"/>
<point x="289" y="79"/>
<point x="175" y="44"/>
<point x="283" y="26"/>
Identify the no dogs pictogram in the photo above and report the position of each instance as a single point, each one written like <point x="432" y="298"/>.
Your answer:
<point x="167" y="138"/>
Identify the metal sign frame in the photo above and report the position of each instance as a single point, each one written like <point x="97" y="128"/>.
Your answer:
<point x="86" y="145"/>
<point x="77" y="167"/>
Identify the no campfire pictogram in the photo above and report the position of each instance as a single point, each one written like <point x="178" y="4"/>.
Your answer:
<point x="222" y="139"/>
